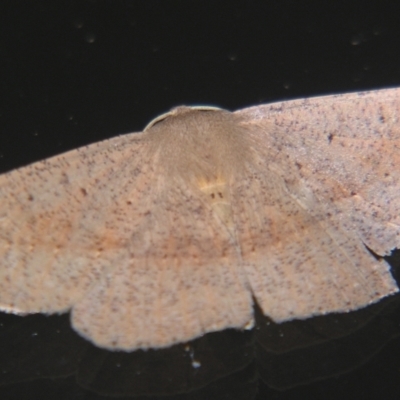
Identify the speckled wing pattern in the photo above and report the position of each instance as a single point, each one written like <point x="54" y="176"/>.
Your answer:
<point x="50" y="255"/>
<point x="155" y="238"/>
<point x="101" y="230"/>
<point x="183" y="280"/>
<point x="335" y="161"/>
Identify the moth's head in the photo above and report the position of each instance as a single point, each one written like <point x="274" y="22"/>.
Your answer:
<point x="178" y="112"/>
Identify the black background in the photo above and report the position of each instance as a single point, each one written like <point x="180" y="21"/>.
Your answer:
<point x="75" y="72"/>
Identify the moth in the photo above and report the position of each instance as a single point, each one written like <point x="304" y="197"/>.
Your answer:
<point x="157" y="237"/>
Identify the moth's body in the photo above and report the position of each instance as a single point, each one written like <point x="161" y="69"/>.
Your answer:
<point x="156" y="237"/>
<point x="205" y="153"/>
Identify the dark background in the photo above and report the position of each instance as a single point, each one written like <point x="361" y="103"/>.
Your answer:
<point x="75" y="72"/>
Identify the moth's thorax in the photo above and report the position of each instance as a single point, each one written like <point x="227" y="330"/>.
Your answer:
<point x="205" y="148"/>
